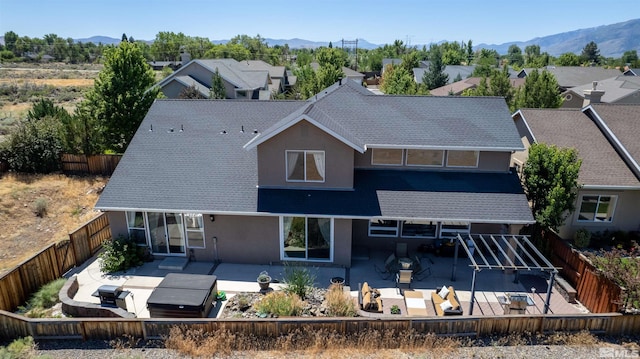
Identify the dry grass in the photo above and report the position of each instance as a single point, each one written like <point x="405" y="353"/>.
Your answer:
<point x="70" y="202"/>
<point x="318" y="343"/>
<point x="50" y="82"/>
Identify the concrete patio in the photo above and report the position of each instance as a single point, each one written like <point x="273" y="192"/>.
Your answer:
<point x="235" y="278"/>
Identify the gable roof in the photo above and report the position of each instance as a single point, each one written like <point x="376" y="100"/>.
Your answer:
<point x="368" y="121"/>
<point x="615" y="88"/>
<point x="632" y="72"/>
<point x="571" y="128"/>
<point x="572" y="76"/>
<point x="457" y="88"/>
<point x="620" y="123"/>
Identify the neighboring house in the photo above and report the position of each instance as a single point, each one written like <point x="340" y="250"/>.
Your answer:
<point x="572" y="76"/>
<point x="617" y="90"/>
<point x="606" y="138"/>
<point x="457" y="88"/>
<point x="242" y="79"/>
<point x="632" y="72"/>
<point x="316" y="180"/>
<point x="350" y="74"/>
<point x="452" y="70"/>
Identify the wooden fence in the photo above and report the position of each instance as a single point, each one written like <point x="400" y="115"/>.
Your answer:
<point x="17" y="285"/>
<point x="95" y="164"/>
<point x="596" y="292"/>
<point x="614" y="324"/>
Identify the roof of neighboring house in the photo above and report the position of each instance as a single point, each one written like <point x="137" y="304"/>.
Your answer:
<point x="453" y="196"/>
<point x="349" y="73"/>
<point x="571" y="128"/>
<point x="571" y="76"/>
<point x="623" y="123"/>
<point x="363" y="120"/>
<point x="451" y="70"/>
<point x="188" y="156"/>
<point x="240" y="76"/>
<point x="457" y="88"/>
<point x="190" y="81"/>
<point x="615" y="88"/>
<point x="274" y="71"/>
<point x="632" y="72"/>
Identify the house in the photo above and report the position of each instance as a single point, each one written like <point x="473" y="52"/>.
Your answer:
<point x="631" y="72"/>
<point x="453" y="71"/>
<point x="572" y="76"/>
<point x="254" y="80"/>
<point x="317" y="180"/>
<point x="605" y="137"/>
<point x="617" y="90"/>
<point x="350" y="74"/>
<point x="457" y="88"/>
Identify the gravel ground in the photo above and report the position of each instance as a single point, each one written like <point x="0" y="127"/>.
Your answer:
<point x="101" y="350"/>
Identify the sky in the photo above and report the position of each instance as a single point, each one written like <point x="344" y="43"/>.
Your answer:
<point x="414" y="22"/>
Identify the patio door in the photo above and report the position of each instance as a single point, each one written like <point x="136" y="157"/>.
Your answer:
<point x="166" y="232"/>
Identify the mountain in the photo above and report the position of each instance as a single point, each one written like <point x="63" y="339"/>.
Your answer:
<point x="613" y="40"/>
<point x="105" y="40"/>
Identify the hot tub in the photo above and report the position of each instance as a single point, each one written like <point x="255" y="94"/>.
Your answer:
<point x="183" y="296"/>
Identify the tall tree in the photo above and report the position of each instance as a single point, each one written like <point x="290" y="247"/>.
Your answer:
<point x="590" y="53"/>
<point x="514" y="55"/>
<point x="568" y="59"/>
<point x="398" y="81"/>
<point x="121" y="95"/>
<point x="435" y="77"/>
<point x="217" y="86"/>
<point x="540" y="90"/>
<point x="10" y="39"/>
<point x="550" y="181"/>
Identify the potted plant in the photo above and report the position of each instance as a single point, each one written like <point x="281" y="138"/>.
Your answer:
<point x="263" y="280"/>
<point x="395" y="309"/>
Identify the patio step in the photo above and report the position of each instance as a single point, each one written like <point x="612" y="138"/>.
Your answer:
<point x="173" y="263"/>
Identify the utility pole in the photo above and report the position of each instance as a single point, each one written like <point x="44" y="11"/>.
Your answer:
<point x="352" y="44"/>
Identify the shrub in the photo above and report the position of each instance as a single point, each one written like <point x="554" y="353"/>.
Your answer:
<point x="280" y="303"/>
<point x="40" y="207"/>
<point x="582" y="238"/>
<point x="298" y="280"/>
<point x="35" y="146"/>
<point x="339" y="303"/>
<point x="19" y="348"/>
<point x="45" y="298"/>
<point x="120" y="254"/>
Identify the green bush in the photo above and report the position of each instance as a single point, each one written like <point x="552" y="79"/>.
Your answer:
<point x="19" y="348"/>
<point x="34" y="146"/>
<point x="582" y="238"/>
<point x="120" y="254"/>
<point x="298" y="280"/>
<point x="40" y="207"/>
<point x="280" y="304"/>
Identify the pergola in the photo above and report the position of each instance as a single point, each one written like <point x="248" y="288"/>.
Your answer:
<point x="502" y="252"/>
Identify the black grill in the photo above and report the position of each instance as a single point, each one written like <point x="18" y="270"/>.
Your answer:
<point x="112" y="296"/>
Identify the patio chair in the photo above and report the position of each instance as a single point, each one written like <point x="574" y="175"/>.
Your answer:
<point x="404" y="276"/>
<point x="388" y="269"/>
<point x="401" y="250"/>
<point x="420" y="273"/>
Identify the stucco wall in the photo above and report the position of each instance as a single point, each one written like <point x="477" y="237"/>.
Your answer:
<point x="626" y="216"/>
<point x="305" y="136"/>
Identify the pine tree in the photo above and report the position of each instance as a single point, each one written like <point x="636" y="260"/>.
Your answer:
<point x="217" y="86"/>
<point x="435" y="77"/>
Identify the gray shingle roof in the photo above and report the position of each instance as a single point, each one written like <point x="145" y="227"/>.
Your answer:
<point x="571" y="128"/>
<point x="615" y="88"/>
<point x="571" y="76"/>
<point x="241" y="76"/>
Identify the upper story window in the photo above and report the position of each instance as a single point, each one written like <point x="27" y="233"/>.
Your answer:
<point x="305" y="166"/>
<point x="595" y="208"/>
<point x="462" y="159"/>
<point x="425" y="157"/>
<point x="387" y="156"/>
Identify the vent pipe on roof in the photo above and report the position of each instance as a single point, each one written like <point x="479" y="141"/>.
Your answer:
<point x="151" y="128"/>
<point x="181" y="128"/>
<point x="242" y="129"/>
<point x="592" y="95"/>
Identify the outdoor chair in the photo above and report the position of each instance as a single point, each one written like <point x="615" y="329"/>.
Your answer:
<point x="388" y="269"/>
<point x="419" y="272"/>
<point x="404" y="276"/>
<point x="401" y="250"/>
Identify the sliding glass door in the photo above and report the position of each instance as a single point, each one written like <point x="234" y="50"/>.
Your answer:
<point x="307" y="238"/>
<point x="166" y="232"/>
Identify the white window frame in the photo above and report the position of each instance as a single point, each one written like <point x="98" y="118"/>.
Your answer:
<point x="186" y="217"/>
<point x="455" y="166"/>
<point x="403" y="223"/>
<point x="392" y="232"/>
<point x="613" y="201"/>
<point x="306" y="239"/>
<point x="406" y="159"/>
<point x="143" y="228"/>
<point x="447" y="229"/>
<point x="402" y="151"/>
<point x="304" y="156"/>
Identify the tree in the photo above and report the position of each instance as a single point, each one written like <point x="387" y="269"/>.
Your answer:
<point x="435" y="77"/>
<point x="486" y="61"/>
<point x="550" y="181"/>
<point x="590" y="53"/>
<point x="10" y="39"/>
<point x="568" y="59"/>
<point x="540" y="90"/>
<point x="217" y="86"/>
<point x="514" y="56"/>
<point x="190" y="92"/>
<point x="398" y="81"/>
<point x="34" y="146"/>
<point x="630" y="57"/>
<point x="121" y="95"/>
